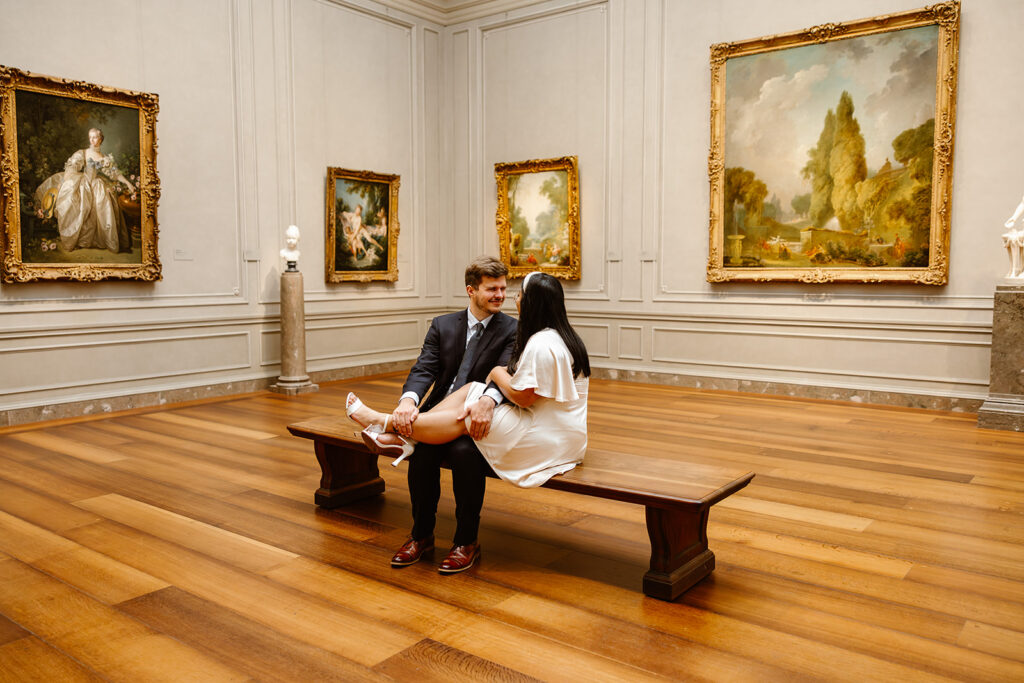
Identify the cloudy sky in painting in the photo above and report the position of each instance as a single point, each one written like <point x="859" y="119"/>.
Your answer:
<point x="776" y="101"/>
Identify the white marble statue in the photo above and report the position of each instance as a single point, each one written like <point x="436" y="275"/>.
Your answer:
<point x="291" y="238"/>
<point x="1013" y="241"/>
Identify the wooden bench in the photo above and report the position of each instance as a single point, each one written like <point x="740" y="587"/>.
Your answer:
<point x="676" y="495"/>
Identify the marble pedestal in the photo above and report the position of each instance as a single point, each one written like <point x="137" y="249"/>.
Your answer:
<point x="1004" y="408"/>
<point x="293" y="379"/>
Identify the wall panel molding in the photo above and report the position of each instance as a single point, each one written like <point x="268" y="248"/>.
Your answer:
<point x="980" y="342"/>
<point x="896" y="362"/>
<point x="367" y="313"/>
<point x="452" y="12"/>
<point x="980" y="328"/>
<point x="243" y="41"/>
<point x="631" y="342"/>
<point x="349" y="340"/>
<point x="964" y="387"/>
<point x="594" y="260"/>
<point x="86" y="363"/>
<point x="597" y="338"/>
<point x="410" y="207"/>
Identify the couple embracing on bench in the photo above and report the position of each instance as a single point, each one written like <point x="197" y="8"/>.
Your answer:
<point x="508" y="397"/>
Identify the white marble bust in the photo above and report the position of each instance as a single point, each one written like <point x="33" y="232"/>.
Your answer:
<point x="291" y="239"/>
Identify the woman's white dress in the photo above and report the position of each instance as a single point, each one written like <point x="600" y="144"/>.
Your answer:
<point x="84" y="198"/>
<point x="528" y="446"/>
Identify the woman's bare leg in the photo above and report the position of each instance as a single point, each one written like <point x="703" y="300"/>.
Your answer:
<point x="366" y="415"/>
<point x="456" y="398"/>
<point x="435" y="426"/>
<point x="438" y="425"/>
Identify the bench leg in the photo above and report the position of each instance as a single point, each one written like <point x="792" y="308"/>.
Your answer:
<point x="679" y="551"/>
<point x="348" y="475"/>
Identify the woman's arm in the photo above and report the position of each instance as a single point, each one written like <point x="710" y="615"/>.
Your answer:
<point x="121" y="178"/>
<point x="524" y="399"/>
<point x="118" y="176"/>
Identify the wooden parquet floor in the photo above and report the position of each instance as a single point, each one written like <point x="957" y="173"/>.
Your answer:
<point x="177" y="544"/>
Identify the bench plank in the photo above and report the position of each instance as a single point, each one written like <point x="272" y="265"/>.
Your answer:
<point x="677" y="496"/>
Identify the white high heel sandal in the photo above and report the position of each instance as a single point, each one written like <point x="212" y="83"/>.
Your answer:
<point x="371" y="437"/>
<point x="352" y="406"/>
<point x="371" y="434"/>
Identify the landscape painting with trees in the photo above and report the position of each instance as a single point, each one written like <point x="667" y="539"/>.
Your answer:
<point x="832" y="152"/>
<point x="538" y="216"/>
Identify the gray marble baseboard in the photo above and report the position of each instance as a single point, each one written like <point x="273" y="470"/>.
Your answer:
<point x="1005" y="413"/>
<point x="73" y="409"/>
<point x="888" y="398"/>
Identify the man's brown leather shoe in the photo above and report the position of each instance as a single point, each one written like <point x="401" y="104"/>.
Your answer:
<point x="460" y="558"/>
<point x="412" y="551"/>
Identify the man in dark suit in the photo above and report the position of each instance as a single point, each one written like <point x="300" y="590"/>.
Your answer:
<point x="456" y="351"/>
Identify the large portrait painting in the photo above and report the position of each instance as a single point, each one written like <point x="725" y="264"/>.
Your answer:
<point x="79" y="184"/>
<point x="538" y="216"/>
<point x="362" y="226"/>
<point x="832" y="150"/>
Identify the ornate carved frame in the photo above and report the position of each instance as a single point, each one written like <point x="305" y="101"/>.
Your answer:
<point x="947" y="16"/>
<point x="570" y="271"/>
<point x="147" y="105"/>
<point x="390" y="272"/>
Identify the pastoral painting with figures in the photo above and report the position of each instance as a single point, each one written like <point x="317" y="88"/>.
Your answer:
<point x="538" y="216"/>
<point x="830" y="154"/>
<point x="362" y="230"/>
<point x="83" y="156"/>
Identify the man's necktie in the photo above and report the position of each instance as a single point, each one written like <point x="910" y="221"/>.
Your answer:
<point x="467" y="358"/>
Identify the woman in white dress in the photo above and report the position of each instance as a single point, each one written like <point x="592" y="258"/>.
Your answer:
<point x="84" y="197"/>
<point x="542" y="431"/>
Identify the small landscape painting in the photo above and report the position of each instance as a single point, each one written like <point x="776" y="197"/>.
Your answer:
<point x="538" y="216"/>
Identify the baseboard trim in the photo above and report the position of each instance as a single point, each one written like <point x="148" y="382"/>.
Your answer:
<point x="957" y="404"/>
<point x="1002" y="412"/>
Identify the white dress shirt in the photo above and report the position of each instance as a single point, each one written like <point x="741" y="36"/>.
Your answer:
<point x="491" y="392"/>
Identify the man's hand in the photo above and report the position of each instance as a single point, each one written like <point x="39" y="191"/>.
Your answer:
<point x="479" y="414"/>
<point x="404" y="415"/>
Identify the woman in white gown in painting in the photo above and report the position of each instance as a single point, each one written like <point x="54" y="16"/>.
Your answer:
<point x="84" y="198"/>
<point x="542" y="431"/>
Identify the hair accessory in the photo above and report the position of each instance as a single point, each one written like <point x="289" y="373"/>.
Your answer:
<point x="526" y="280"/>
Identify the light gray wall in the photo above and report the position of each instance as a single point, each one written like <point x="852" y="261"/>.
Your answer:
<point x="625" y="85"/>
<point x="258" y="97"/>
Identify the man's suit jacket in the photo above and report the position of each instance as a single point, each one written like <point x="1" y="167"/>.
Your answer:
<point x="444" y="346"/>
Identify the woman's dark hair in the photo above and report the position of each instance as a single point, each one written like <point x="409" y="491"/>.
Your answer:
<point x="542" y="304"/>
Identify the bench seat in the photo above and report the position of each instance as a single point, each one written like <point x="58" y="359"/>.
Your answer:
<point x="677" y="496"/>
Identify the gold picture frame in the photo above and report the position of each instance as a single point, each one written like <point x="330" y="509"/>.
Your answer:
<point x="362" y="226"/>
<point x="538" y="220"/>
<point x="78" y="180"/>
<point x="803" y="121"/>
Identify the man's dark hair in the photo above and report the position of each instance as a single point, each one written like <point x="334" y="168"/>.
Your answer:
<point x="484" y="266"/>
